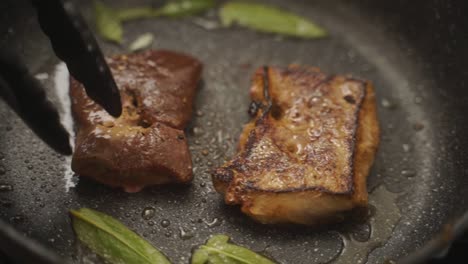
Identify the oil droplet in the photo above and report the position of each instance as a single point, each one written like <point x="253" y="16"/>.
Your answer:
<point x="361" y="232"/>
<point x="406" y="147"/>
<point x="151" y="223"/>
<point x="185" y="235"/>
<point x="30" y="167"/>
<point x="148" y="213"/>
<point x="382" y="223"/>
<point x="165" y="223"/>
<point x="202" y="184"/>
<point x="199" y="113"/>
<point x="213" y="223"/>
<point x="408" y="173"/>
<point x="16" y="219"/>
<point x="197" y="131"/>
<point x="5" y="188"/>
<point x="387" y="104"/>
<point x="6" y="203"/>
<point x="168" y="233"/>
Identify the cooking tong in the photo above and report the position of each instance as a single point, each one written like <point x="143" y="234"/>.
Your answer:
<point x="73" y="42"/>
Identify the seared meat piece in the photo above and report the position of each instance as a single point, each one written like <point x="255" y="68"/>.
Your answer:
<point x="146" y="145"/>
<point x="305" y="156"/>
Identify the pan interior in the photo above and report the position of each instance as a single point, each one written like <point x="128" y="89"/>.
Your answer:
<point x="409" y="193"/>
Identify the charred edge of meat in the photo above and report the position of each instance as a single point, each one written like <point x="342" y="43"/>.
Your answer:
<point x="253" y="108"/>
<point x="226" y="174"/>
<point x="352" y="140"/>
<point x="266" y="90"/>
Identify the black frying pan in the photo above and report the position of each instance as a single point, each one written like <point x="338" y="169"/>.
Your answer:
<point x="415" y="52"/>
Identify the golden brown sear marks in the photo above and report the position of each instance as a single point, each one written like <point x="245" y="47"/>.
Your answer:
<point x="305" y="155"/>
<point x="146" y="145"/>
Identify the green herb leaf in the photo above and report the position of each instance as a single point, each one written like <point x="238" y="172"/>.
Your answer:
<point x="135" y="13"/>
<point x="185" y="7"/>
<point x="266" y="18"/>
<point x="218" y="251"/>
<point x="107" y="22"/>
<point x="112" y="240"/>
<point x="178" y="8"/>
<point x="142" y="42"/>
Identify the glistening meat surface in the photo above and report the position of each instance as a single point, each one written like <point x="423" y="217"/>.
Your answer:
<point x="146" y="145"/>
<point x="305" y="156"/>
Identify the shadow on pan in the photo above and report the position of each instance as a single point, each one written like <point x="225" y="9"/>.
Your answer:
<point x="415" y="53"/>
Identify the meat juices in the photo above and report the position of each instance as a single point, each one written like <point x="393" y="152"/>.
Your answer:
<point x="146" y="145"/>
<point x="305" y="156"/>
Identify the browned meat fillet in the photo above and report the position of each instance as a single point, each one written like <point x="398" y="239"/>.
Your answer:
<point x="146" y="145"/>
<point x="305" y="156"/>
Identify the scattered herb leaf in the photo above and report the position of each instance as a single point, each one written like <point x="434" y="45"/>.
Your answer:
<point x="142" y="42"/>
<point x="135" y="13"/>
<point x="185" y="7"/>
<point x="266" y="18"/>
<point x="111" y="240"/>
<point x="107" y="22"/>
<point x="217" y="250"/>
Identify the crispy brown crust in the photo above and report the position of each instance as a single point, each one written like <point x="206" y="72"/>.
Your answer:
<point x="308" y="136"/>
<point x="146" y="144"/>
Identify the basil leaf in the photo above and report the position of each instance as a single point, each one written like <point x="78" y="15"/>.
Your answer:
<point x="266" y="18"/>
<point x="107" y="22"/>
<point x="111" y="240"/>
<point x="217" y="250"/>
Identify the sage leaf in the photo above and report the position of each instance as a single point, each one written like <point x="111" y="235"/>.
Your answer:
<point x="112" y="240"/>
<point x="218" y="250"/>
<point x="178" y="8"/>
<point x="142" y="42"/>
<point x="270" y="19"/>
<point x="107" y="22"/>
<point x="135" y="13"/>
<point x="185" y="7"/>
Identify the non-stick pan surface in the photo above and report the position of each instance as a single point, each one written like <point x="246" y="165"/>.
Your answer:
<point x="412" y="51"/>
